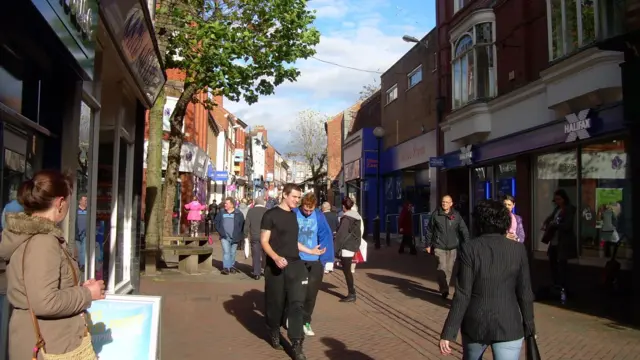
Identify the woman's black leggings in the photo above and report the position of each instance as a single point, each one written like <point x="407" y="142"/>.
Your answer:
<point x="348" y="275"/>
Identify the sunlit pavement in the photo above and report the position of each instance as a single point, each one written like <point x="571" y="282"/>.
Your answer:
<point x="397" y="316"/>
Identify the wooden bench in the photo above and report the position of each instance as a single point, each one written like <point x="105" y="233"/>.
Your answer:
<point x="193" y="254"/>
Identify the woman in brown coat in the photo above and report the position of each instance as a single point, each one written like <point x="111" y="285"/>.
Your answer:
<point x="46" y="281"/>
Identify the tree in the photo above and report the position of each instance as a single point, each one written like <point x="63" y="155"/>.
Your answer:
<point x="309" y="144"/>
<point x="241" y="49"/>
<point x="368" y="90"/>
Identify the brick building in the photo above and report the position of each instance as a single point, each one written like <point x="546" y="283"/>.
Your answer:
<point x="269" y="167"/>
<point x="532" y="107"/>
<point x="333" y="128"/>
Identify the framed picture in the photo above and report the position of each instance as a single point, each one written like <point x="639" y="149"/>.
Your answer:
<point x="126" y="327"/>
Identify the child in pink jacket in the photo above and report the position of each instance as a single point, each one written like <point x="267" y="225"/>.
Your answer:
<point x="195" y="215"/>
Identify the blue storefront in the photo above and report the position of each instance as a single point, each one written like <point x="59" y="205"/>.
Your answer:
<point x="583" y="154"/>
<point x="360" y="173"/>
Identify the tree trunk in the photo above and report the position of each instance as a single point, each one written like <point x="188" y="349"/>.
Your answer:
<point x="153" y="201"/>
<point x="173" y="159"/>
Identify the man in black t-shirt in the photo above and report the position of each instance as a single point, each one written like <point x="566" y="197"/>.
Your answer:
<point x="285" y="270"/>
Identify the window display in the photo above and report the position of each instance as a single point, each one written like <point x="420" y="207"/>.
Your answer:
<point x="605" y="214"/>
<point x="553" y="172"/>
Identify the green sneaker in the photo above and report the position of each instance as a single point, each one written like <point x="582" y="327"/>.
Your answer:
<point x="307" y="330"/>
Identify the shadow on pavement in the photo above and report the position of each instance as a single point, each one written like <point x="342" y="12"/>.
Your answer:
<point x="248" y="311"/>
<point x="328" y="288"/>
<point x="413" y="289"/>
<point x="338" y="351"/>
<point x="246" y="269"/>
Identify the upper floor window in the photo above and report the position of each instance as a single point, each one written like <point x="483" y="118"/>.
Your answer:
<point x="459" y="4"/>
<point x="474" y="71"/>
<point x="415" y="76"/>
<point x="574" y="24"/>
<point x="392" y="93"/>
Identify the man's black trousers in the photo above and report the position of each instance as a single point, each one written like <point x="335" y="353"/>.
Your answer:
<point x="286" y="288"/>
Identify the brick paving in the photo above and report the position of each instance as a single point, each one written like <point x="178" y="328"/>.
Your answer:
<point x="398" y="316"/>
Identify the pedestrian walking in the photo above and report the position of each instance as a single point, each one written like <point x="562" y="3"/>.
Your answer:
<point x="194" y="216"/>
<point x="516" y="230"/>
<point x="405" y="223"/>
<point x="213" y="211"/>
<point x="285" y="275"/>
<point x="493" y="303"/>
<point x="244" y="209"/>
<point x="445" y="232"/>
<point x="230" y="226"/>
<point x="348" y="239"/>
<point x="332" y="219"/>
<point x="313" y="231"/>
<point x="252" y="226"/>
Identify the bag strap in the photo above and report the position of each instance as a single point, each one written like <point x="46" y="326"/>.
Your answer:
<point x="40" y="343"/>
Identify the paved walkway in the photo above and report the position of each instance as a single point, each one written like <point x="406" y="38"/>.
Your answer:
<point x="397" y="316"/>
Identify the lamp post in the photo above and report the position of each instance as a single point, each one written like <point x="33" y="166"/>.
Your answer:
<point x="378" y="132"/>
<point x="440" y="104"/>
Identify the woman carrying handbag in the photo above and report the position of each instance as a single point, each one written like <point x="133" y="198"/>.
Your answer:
<point x="48" y="321"/>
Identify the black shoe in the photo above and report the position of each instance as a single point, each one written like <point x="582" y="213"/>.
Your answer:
<point x="256" y="277"/>
<point x="224" y="272"/>
<point x="233" y="270"/>
<point x="445" y="295"/>
<point x="297" y="350"/>
<point x="349" y="298"/>
<point x="274" y="340"/>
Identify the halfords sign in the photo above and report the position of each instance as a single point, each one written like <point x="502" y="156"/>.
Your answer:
<point x="577" y="126"/>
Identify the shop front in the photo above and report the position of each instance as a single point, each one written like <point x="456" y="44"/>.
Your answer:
<point x="584" y="155"/>
<point x="408" y="177"/>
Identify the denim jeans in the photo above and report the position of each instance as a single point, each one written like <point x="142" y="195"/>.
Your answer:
<point x="507" y="350"/>
<point x="228" y="253"/>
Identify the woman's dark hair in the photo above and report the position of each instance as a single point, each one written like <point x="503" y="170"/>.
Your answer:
<point x="492" y="217"/>
<point x="563" y="194"/>
<point x="510" y="198"/>
<point x="347" y="203"/>
<point x="39" y="192"/>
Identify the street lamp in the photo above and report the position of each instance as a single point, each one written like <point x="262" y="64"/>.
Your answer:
<point x="409" y="38"/>
<point x="378" y="132"/>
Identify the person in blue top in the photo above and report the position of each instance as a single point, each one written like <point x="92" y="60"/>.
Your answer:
<point x="12" y="206"/>
<point x="313" y="230"/>
<point x="81" y="230"/>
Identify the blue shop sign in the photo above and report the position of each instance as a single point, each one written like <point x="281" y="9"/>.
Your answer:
<point x="221" y="176"/>
<point x="211" y="172"/>
<point x="436" y="162"/>
<point x="370" y="162"/>
<point x="582" y="125"/>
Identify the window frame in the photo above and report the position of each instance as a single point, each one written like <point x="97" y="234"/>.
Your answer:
<point x="435" y="62"/>
<point x="472" y="33"/>
<point x="413" y="72"/>
<point x="392" y="89"/>
<point x="458" y="5"/>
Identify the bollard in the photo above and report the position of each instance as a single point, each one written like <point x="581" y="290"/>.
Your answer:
<point x="376" y="232"/>
<point x="388" y="232"/>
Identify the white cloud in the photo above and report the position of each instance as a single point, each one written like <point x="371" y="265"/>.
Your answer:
<point x="330" y="8"/>
<point x="361" y="39"/>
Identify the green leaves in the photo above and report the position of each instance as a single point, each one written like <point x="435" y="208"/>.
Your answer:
<point x="242" y="48"/>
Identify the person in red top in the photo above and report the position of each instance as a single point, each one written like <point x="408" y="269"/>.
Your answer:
<point x="405" y="227"/>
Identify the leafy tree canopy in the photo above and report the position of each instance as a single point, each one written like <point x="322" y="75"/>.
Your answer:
<point x="238" y="48"/>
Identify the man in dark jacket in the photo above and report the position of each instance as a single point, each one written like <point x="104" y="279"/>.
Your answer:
<point x="445" y="232"/>
<point x="332" y="217"/>
<point x="230" y="226"/>
<point x="252" y="232"/>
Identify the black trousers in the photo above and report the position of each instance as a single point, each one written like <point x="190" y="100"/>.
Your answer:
<point x="258" y="257"/>
<point x="348" y="275"/>
<point x="285" y="288"/>
<point x="315" y="273"/>
<point x="559" y="267"/>
<point x="407" y="240"/>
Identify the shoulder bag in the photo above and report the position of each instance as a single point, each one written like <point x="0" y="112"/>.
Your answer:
<point x="84" y="351"/>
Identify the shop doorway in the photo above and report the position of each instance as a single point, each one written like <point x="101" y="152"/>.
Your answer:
<point x="458" y="189"/>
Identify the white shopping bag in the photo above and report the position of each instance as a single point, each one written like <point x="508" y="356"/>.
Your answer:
<point x="363" y="249"/>
<point x="246" y="248"/>
<point x="328" y="266"/>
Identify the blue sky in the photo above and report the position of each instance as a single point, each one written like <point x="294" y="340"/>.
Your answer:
<point x="365" y="34"/>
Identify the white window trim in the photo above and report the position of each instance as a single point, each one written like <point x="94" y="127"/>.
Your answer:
<point x="435" y="62"/>
<point x="413" y="72"/>
<point x="472" y="34"/>
<point x="389" y="91"/>
<point x="458" y="5"/>
<point x="581" y="45"/>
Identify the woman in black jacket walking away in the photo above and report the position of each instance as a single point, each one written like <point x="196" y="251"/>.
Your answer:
<point x="493" y="303"/>
<point x="347" y="243"/>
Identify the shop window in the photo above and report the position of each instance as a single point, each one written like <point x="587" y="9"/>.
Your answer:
<point x="474" y="72"/>
<point x="605" y="211"/>
<point x="553" y="172"/>
<point x="82" y="188"/>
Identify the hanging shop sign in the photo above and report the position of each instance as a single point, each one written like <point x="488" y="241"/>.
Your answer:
<point x="466" y="155"/>
<point x="126" y="327"/>
<point x="352" y="171"/>
<point x="577" y="126"/>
